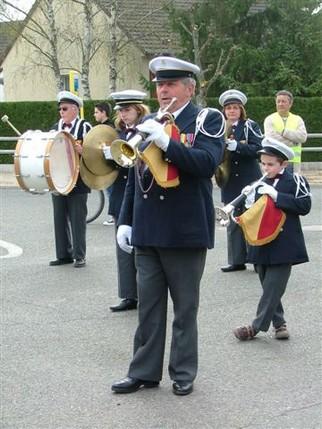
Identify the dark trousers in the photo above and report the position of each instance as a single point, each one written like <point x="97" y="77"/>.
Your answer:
<point x="178" y="271"/>
<point x="273" y="279"/>
<point x="126" y="272"/>
<point x="236" y="245"/>
<point x="70" y="213"/>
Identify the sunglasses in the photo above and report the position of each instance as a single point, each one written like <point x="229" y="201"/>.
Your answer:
<point x="64" y="109"/>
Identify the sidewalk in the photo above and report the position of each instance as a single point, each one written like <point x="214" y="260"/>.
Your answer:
<point x="312" y="171"/>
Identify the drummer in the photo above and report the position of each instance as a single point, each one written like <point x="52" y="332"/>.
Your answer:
<point x="70" y="210"/>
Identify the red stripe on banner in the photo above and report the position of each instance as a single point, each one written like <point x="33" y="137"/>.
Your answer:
<point x="271" y="217"/>
<point x="175" y="133"/>
<point x="172" y="172"/>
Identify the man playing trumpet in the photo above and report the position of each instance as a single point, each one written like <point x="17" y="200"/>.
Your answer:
<point x="170" y="230"/>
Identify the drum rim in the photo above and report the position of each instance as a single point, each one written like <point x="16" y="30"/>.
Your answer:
<point x="73" y="181"/>
<point x="19" y="178"/>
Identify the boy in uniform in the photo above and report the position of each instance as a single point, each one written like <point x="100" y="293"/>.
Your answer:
<point x="274" y="260"/>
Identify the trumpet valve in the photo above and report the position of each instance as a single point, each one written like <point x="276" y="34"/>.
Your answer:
<point x="223" y="213"/>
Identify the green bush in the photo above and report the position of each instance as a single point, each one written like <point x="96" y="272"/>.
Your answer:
<point x="42" y="115"/>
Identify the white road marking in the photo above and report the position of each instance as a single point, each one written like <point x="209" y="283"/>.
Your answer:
<point x="13" y="250"/>
<point x="312" y="228"/>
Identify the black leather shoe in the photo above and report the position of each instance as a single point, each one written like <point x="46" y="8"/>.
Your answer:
<point x="125" y="304"/>
<point x="230" y="268"/>
<point x="79" y="263"/>
<point x="62" y="261"/>
<point x="130" y="385"/>
<point x="182" y="388"/>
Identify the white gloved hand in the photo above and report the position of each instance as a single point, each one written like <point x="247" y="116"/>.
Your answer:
<point x="224" y="222"/>
<point x="269" y="190"/>
<point x="156" y="133"/>
<point x="231" y="145"/>
<point x="107" y="152"/>
<point x="247" y="190"/>
<point x="123" y="237"/>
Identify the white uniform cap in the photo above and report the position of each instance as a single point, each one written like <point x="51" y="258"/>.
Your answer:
<point x="276" y="148"/>
<point x="232" y="96"/>
<point x="69" y="97"/>
<point x="170" y="68"/>
<point x="127" y="97"/>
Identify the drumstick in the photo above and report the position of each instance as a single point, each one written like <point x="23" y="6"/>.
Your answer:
<point x="5" y="119"/>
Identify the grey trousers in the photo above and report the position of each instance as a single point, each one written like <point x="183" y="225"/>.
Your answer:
<point x="178" y="271"/>
<point x="126" y="272"/>
<point x="273" y="279"/>
<point x="70" y="213"/>
<point x="236" y="245"/>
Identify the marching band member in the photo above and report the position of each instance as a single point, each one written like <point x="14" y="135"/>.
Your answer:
<point x="130" y="111"/>
<point x="70" y="210"/>
<point x="243" y="142"/>
<point x="274" y="260"/>
<point x="170" y="230"/>
<point x="287" y="128"/>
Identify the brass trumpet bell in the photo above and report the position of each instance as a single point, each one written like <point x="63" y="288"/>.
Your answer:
<point x="125" y="153"/>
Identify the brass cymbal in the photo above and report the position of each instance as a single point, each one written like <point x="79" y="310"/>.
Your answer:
<point x="92" y="149"/>
<point x="97" y="182"/>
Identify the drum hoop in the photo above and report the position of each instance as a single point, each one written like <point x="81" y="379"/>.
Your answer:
<point x="19" y="178"/>
<point x="50" y="183"/>
<point x="76" y="174"/>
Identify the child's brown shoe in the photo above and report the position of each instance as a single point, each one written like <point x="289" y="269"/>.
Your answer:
<point x="244" y="333"/>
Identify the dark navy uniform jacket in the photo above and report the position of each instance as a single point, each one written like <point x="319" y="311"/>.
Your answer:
<point x="182" y="216"/>
<point x="244" y="166"/>
<point x="289" y="246"/>
<point x="79" y="130"/>
<point x="118" y="187"/>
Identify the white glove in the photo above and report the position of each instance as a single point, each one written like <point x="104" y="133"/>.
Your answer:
<point x="247" y="190"/>
<point x="224" y="222"/>
<point x="231" y="145"/>
<point x="123" y="237"/>
<point x="107" y="152"/>
<point x="156" y="133"/>
<point x="269" y="190"/>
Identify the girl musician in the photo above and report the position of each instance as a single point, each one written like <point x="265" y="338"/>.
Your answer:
<point x="243" y="141"/>
<point x="130" y="111"/>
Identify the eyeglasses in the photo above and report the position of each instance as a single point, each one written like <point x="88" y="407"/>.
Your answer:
<point x="63" y="109"/>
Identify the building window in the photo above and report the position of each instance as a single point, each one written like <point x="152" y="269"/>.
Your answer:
<point x="65" y="79"/>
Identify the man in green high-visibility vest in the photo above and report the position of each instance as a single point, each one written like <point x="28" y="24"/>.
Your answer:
<point x="286" y="127"/>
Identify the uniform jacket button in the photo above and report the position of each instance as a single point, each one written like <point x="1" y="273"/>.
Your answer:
<point x="161" y="197"/>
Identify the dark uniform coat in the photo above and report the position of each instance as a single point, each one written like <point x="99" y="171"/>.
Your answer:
<point x="182" y="216"/>
<point x="289" y="246"/>
<point x="244" y="166"/>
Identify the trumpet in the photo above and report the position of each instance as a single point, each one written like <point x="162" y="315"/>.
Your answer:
<point x="224" y="214"/>
<point x="5" y="119"/>
<point x="126" y="153"/>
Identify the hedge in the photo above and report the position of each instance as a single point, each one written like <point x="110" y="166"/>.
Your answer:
<point x="41" y="115"/>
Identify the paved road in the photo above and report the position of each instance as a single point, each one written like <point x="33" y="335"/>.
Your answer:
<point x="62" y="348"/>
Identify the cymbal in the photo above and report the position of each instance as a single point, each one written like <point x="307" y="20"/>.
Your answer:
<point x="92" y="149"/>
<point x="97" y="182"/>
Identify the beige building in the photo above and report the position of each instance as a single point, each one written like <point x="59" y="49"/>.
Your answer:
<point x="142" y="31"/>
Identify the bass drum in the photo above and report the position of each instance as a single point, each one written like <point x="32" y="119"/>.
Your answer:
<point x="46" y="161"/>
